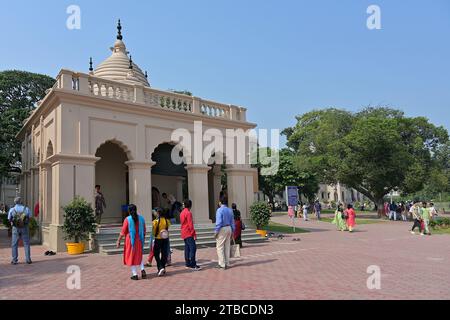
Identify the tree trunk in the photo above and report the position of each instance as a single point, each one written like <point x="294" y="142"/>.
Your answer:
<point x="272" y="203"/>
<point x="380" y="207"/>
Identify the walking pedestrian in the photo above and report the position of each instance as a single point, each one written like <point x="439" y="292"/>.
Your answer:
<point x="415" y="213"/>
<point x="133" y="229"/>
<point x="305" y="212"/>
<point x="100" y="203"/>
<point x="318" y="209"/>
<point x="239" y="225"/>
<point x="161" y="234"/>
<point x="19" y="218"/>
<point x="189" y="236"/>
<point x="426" y="215"/>
<point x="339" y="219"/>
<point x="223" y="232"/>
<point x="351" y="220"/>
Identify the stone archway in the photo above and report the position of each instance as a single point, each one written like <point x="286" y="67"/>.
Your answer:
<point x="111" y="173"/>
<point x="167" y="177"/>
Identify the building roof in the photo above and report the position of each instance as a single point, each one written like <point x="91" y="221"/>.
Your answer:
<point x="119" y="66"/>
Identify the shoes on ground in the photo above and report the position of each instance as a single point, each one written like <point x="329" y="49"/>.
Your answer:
<point x="161" y="272"/>
<point x="14" y="262"/>
<point x="143" y="274"/>
<point x="29" y="262"/>
<point x="196" y="268"/>
<point x="134" y="277"/>
<point x="220" y="267"/>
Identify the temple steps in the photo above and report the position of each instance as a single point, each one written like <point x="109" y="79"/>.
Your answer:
<point x="106" y="238"/>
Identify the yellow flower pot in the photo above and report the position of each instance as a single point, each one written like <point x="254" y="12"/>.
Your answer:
<point x="262" y="233"/>
<point x="75" y="248"/>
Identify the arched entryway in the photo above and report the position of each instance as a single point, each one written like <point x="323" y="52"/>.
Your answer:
<point x="111" y="173"/>
<point x="167" y="177"/>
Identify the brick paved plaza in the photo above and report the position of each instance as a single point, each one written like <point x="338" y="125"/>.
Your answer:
<point x="325" y="264"/>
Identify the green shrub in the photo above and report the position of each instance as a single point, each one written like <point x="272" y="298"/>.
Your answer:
<point x="79" y="220"/>
<point x="440" y="222"/>
<point x="33" y="227"/>
<point x="4" y="219"/>
<point x="260" y="214"/>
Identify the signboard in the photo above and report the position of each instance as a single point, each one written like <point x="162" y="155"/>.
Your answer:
<point x="292" y="196"/>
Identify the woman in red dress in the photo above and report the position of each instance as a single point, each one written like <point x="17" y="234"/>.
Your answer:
<point x="133" y="230"/>
<point x="351" y="218"/>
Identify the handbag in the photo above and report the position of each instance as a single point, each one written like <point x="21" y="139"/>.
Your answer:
<point x="242" y="226"/>
<point x="164" y="233"/>
<point x="235" y="250"/>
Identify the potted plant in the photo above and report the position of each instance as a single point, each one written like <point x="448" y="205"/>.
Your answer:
<point x="79" y="223"/>
<point x="260" y="216"/>
<point x="33" y="228"/>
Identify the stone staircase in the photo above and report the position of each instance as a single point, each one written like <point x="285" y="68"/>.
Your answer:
<point x="106" y="237"/>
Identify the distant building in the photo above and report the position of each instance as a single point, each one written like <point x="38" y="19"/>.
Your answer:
<point x="327" y="195"/>
<point x="10" y="188"/>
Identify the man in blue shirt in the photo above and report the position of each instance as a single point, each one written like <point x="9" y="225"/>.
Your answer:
<point x="20" y="230"/>
<point x="224" y="230"/>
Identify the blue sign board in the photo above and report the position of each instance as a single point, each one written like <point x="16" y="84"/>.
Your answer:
<point x="292" y="196"/>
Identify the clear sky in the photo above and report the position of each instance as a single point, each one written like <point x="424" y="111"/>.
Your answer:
<point x="277" y="58"/>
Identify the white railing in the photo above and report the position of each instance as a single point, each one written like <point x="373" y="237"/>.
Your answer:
<point x="115" y="90"/>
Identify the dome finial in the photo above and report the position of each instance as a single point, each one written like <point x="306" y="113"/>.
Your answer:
<point x="119" y="31"/>
<point x="146" y="75"/>
<point x="131" y="63"/>
<point x="90" y="65"/>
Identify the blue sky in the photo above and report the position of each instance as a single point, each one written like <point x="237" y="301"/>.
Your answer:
<point x="277" y="58"/>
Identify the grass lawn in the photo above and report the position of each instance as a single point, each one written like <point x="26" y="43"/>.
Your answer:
<point x="281" y="228"/>
<point x="358" y="221"/>
<point x="440" y="231"/>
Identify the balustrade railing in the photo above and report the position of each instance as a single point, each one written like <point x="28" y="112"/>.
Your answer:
<point x="115" y="90"/>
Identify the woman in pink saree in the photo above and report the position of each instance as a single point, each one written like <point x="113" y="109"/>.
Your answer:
<point x="351" y="218"/>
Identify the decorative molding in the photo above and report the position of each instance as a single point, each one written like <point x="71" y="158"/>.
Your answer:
<point x="140" y="164"/>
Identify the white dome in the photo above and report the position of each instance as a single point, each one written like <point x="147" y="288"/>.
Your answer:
<point x="117" y="66"/>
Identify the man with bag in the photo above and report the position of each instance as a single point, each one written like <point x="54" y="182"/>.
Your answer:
<point x="19" y="217"/>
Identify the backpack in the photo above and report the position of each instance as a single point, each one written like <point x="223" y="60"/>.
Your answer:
<point x="18" y="222"/>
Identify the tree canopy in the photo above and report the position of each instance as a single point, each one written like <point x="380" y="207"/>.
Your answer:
<point x="288" y="174"/>
<point x="373" y="151"/>
<point x="19" y="93"/>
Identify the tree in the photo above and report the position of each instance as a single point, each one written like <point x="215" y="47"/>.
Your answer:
<point x="373" y="151"/>
<point x="289" y="173"/>
<point x="19" y="93"/>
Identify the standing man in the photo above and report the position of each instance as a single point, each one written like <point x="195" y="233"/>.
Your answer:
<point x="393" y="211"/>
<point x="318" y="209"/>
<point x="99" y="203"/>
<point x="189" y="236"/>
<point x="19" y="217"/>
<point x="305" y="211"/>
<point x="224" y="230"/>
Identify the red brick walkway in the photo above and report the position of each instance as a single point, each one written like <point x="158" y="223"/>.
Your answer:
<point x="325" y="264"/>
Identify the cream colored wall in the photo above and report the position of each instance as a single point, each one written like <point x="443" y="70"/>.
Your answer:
<point x="77" y="126"/>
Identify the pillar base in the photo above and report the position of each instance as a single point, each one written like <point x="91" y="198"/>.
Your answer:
<point x="56" y="238"/>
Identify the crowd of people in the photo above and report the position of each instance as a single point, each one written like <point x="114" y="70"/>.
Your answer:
<point x="404" y="210"/>
<point x="227" y="231"/>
